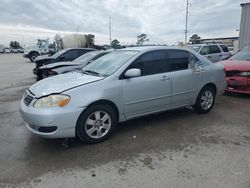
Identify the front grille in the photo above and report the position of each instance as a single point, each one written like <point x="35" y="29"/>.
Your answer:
<point x="27" y="99"/>
<point x="232" y="73"/>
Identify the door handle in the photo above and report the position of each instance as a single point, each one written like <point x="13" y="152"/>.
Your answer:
<point x="208" y="56"/>
<point x="165" y="78"/>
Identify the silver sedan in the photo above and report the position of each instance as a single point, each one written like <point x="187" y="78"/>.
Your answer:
<point x="122" y="85"/>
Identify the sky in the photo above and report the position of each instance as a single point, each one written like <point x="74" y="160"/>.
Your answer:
<point x="162" y="20"/>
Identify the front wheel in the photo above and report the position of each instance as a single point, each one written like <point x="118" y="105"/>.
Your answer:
<point x="205" y="100"/>
<point x="96" y="124"/>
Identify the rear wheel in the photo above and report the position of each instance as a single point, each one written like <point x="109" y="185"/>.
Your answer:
<point x="96" y="124"/>
<point x="33" y="56"/>
<point x="205" y="100"/>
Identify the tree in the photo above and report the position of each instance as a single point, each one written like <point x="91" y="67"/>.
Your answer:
<point x="115" y="44"/>
<point x="141" y="39"/>
<point x="14" y="45"/>
<point x="195" y="39"/>
<point x="90" y="40"/>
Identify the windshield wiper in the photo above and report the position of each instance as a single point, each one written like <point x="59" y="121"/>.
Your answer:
<point x="90" y="72"/>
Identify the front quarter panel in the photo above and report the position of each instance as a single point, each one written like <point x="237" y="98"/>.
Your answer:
<point x="106" y="89"/>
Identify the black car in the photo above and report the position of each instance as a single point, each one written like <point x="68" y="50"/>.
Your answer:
<point x="68" y="66"/>
<point x="68" y="54"/>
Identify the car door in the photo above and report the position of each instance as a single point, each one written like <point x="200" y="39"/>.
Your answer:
<point x="186" y="80"/>
<point x="226" y="53"/>
<point x="150" y="92"/>
<point x="215" y="53"/>
<point x="212" y="52"/>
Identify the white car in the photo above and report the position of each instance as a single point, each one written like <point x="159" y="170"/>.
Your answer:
<point x="14" y="50"/>
<point x="7" y="50"/>
<point x="122" y="85"/>
<point x="214" y="52"/>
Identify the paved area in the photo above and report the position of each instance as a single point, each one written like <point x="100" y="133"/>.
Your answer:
<point x="171" y="149"/>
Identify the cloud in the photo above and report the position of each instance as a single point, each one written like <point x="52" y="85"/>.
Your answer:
<point x="162" y="20"/>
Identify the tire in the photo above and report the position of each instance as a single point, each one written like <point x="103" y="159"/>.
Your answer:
<point x="205" y="100"/>
<point x="33" y="56"/>
<point x="94" y="131"/>
<point x="34" y="71"/>
<point x="39" y="76"/>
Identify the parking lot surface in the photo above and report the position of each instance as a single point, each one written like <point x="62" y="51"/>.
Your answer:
<point x="172" y="149"/>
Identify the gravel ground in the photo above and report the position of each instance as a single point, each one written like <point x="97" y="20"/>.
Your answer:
<point x="172" y="149"/>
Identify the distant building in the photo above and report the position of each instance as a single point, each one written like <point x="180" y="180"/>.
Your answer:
<point x="244" y="38"/>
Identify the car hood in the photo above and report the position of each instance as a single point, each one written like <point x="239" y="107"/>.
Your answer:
<point x="60" y="64"/>
<point x="231" y="65"/>
<point x="43" y="57"/>
<point x="62" y="82"/>
<point x="61" y="70"/>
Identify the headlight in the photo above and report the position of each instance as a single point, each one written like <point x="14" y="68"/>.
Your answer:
<point x="245" y="74"/>
<point x="52" y="101"/>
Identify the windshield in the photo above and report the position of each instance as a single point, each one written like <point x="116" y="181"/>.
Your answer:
<point x="241" y="56"/>
<point x="56" y="55"/>
<point x="86" y="57"/>
<point x="109" y="63"/>
<point x="195" y="48"/>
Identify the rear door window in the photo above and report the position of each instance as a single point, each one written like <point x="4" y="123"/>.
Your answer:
<point x="205" y="50"/>
<point x="214" y="49"/>
<point x="70" y="55"/>
<point x="82" y="51"/>
<point x="178" y="59"/>
<point x="153" y="62"/>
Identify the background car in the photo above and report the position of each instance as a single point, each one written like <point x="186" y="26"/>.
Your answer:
<point x="20" y="50"/>
<point x="7" y="50"/>
<point x="13" y="50"/>
<point x="80" y="62"/>
<point x="120" y="86"/>
<point x="68" y="54"/>
<point x="214" y="52"/>
<point x="238" y="72"/>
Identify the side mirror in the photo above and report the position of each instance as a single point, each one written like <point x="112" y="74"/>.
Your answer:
<point x="133" y="73"/>
<point x="203" y="53"/>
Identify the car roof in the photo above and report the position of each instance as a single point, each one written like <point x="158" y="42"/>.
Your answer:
<point x="205" y="44"/>
<point x="80" y="49"/>
<point x="149" y="48"/>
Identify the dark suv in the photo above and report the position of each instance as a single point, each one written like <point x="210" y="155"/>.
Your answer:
<point x="68" y="54"/>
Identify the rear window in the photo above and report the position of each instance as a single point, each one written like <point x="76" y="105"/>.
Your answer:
<point x="224" y="48"/>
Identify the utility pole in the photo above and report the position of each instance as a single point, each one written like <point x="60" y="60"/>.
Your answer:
<point x="110" y="39"/>
<point x="186" y="25"/>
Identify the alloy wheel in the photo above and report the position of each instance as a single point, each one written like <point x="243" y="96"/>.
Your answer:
<point x="207" y="100"/>
<point x="98" y="124"/>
